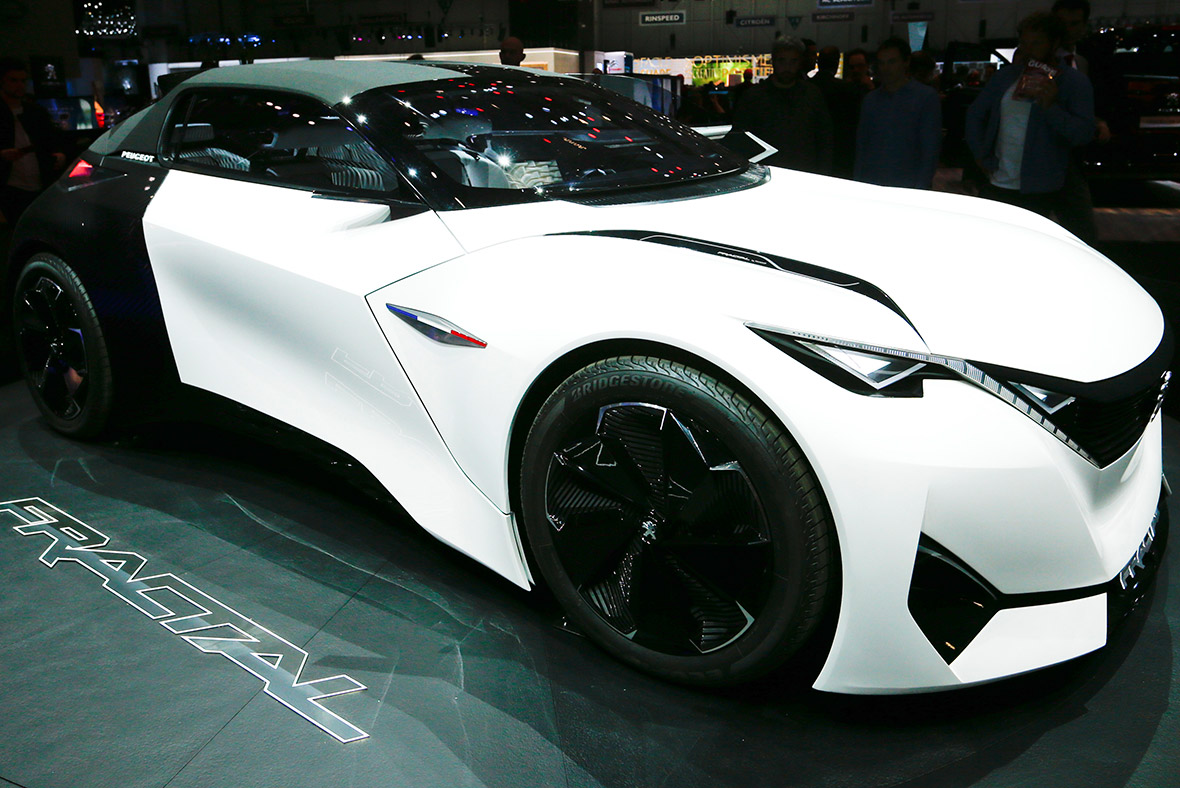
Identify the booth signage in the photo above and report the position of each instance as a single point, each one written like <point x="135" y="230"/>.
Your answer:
<point x="831" y="16"/>
<point x="755" y="21"/>
<point x="663" y="17"/>
<point x="48" y="75"/>
<point x="912" y="16"/>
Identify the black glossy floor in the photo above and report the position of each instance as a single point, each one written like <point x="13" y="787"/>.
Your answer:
<point x="469" y="682"/>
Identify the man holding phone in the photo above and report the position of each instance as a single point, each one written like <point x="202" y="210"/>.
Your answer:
<point x="1028" y="118"/>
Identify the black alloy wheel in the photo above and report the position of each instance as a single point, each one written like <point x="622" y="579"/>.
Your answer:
<point x="678" y="525"/>
<point x="61" y="349"/>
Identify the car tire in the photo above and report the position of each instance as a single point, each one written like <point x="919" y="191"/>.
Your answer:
<point x="676" y="522"/>
<point x="60" y="348"/>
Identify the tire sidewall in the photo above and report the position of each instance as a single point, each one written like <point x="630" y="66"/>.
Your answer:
<point x="95" y="413"/>
<point x="776" y="631"/>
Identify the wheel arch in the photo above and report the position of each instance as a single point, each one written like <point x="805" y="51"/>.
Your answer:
<point x="143" y="370"/>
<point x="569" y="363"/>
<point x="811" y="658"/>
<point x="17" y="258"/>
<point x="564" y="366"/>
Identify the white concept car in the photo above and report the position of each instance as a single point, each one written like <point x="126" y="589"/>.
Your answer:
<point x="729" y="414"/>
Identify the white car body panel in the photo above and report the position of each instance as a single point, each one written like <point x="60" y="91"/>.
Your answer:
<point x="269" y="311"/>
<point x="900" y="240"/>
<point x="285" y="296"/>
<point x="696" y="302"/>
<point x="1021" y="639"/>
<point x="958" y="443"/>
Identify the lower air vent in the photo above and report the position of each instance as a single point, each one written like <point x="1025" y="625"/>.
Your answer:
<point x="949" y="602"/>
<point x="952" y="604"/>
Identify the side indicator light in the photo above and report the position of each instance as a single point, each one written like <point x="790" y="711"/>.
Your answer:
<point x="81" y="170"/>
<point x="436" y="328"/>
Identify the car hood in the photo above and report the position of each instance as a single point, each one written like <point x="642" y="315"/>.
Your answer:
<point x="978" y="280"/>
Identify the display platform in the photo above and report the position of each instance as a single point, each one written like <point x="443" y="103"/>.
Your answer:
<point x="187" y="608"/>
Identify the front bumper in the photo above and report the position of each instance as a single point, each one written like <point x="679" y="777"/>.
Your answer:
<point x="1043" y="528"/>
<point x="981" y="632"/>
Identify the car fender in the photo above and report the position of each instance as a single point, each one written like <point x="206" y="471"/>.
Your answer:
<point x="536" y="300"/>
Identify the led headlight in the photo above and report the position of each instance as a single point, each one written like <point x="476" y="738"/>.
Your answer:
<point x="875" y="370"/>
<point x="880" y="371"/>
<point x="864" y="369"/>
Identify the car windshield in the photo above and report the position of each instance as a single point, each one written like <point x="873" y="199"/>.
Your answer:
<point x="553" y="136"/>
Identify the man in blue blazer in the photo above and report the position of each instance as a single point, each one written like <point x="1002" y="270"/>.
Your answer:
<point x="1029" y="117"/>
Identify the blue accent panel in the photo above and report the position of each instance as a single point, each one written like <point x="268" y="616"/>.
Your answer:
<point x="401" y="312"/>
<point x="439" y="333"/>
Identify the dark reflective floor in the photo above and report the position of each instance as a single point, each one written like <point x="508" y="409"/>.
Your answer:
<point x="469" y="680"/>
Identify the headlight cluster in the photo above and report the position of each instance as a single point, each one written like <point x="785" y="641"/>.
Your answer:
<point x="873" y="370"/>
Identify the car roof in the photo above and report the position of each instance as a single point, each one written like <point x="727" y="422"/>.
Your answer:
<point x="332" y="81"/>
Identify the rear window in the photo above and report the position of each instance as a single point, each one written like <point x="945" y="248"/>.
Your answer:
<point x="269" y="136"/>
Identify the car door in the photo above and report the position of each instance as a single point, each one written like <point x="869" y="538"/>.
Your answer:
<point x="276" y="218"/>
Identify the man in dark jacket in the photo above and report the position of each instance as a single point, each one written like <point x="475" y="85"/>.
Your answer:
<point x="1028" y="118"/>
<point x="30" y="145"/>
<point x="900" y="131"/>
<point x="843" y="102"/>
<point x="788" y="113"/>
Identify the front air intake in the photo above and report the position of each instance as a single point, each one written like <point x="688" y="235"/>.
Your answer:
<point x="1107" y="430"/>
<point x="950" y="603"/>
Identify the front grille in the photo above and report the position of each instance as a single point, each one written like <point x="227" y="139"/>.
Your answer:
<point x="1106" y="430"/>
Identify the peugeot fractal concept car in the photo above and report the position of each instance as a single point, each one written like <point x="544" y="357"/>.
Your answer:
<point x="729" y="414"/>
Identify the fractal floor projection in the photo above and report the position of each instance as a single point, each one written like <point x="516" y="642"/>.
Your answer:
<point x="183" y="607"/>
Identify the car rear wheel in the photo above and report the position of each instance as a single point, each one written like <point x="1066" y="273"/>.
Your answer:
<point x="60" y="348"/>
<point x="679" y="526"/>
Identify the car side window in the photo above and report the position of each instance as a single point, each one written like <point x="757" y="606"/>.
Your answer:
<point x="285" y="139"/>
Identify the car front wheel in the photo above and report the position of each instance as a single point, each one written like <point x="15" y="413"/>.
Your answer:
<point x="60" y="348"/>
<point x="678" y="525"/>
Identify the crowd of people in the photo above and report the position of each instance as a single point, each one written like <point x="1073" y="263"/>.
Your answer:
<point x="885" y="125"/>
<point x="882" y="122"/>
<point x="32" y="147"/>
